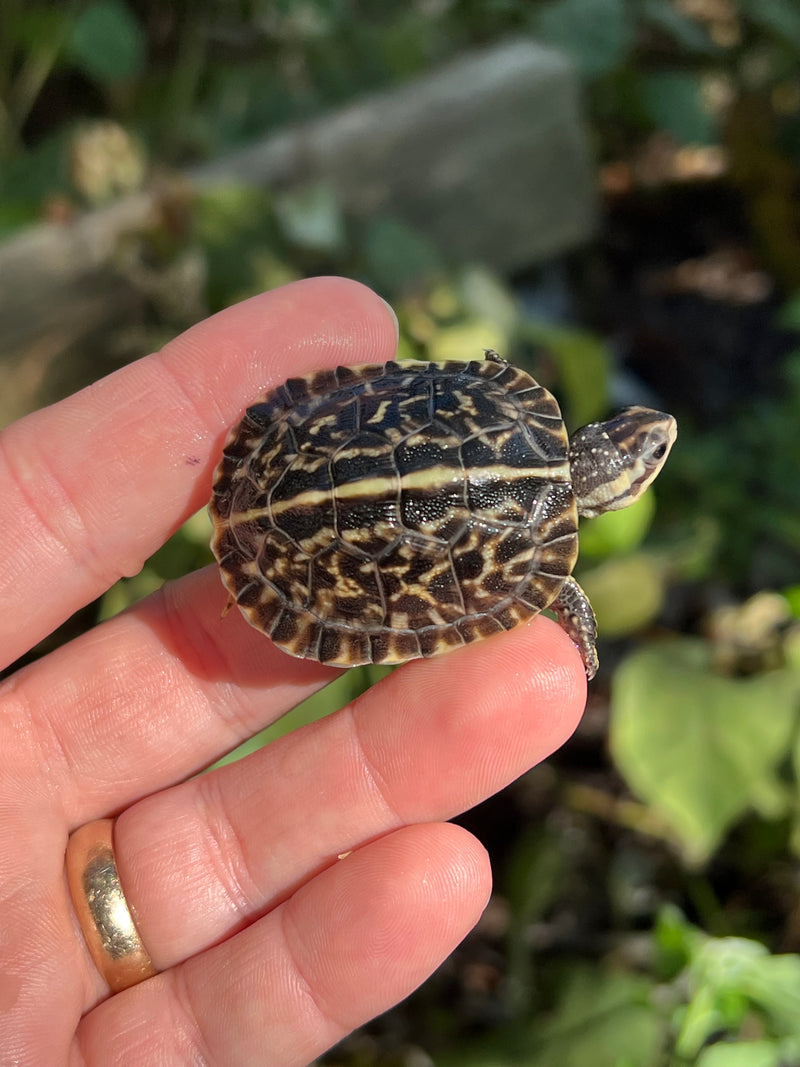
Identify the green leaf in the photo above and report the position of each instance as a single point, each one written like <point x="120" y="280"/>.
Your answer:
<point x="734" y="973"/>
<point x="228" y="207"/>
<point x="683" y="30"/>
<point x="29" y="178"/>
<point x="700" y="748"/>
<point x="397" y="256"/>
<point x="583" y="363"/>
<point x="728" y="980"/>
<point x="700" y="1019"/>
<point x="792" y="595"/>
<point x="35" y="29"/>
<point x="676" y="941"/>
<point x="743" y="1054"/>
<point x="780" y="17"/>
<point x="673" y="101"/>
<point x="604" y="1018"/>
<point x="597" y="34"/>
<point x="617" y="531"/>
<point x="626" y="592"/>
<point x="466" y="339"/>
<point x="486" y="296"/>
<point x="108" y="43"/>
<point x="312" y="218"/>
<point x="773" y="983"/>
<point x="15" y="214"/>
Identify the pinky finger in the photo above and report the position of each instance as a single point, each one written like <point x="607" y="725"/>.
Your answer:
<point x="348" y="945"/>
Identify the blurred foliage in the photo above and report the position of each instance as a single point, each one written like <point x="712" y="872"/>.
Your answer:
<point x="696" y="588"/>
<point x="731" y="983"/>
<point x="194" y="80"/>
<point x="744" y="478"/>
<point x="687" y="741"/>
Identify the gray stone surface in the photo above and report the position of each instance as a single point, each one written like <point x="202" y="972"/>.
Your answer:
<point x="487" y="156"/>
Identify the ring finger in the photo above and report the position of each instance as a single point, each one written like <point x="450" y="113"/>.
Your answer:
<point x="349" y="944"/>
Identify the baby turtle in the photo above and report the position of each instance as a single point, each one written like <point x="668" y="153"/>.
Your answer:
<point x="378" y="513"/>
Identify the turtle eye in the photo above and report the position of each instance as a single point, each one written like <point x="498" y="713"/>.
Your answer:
<point x="655" y="447"/>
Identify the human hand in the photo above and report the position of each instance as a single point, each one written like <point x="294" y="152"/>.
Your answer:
<point x="269" y="947"/>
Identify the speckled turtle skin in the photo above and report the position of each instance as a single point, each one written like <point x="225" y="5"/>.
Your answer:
<point x="379" y="513"/>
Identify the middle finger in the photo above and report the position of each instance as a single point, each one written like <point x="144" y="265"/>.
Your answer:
<point x="159" y="692"/>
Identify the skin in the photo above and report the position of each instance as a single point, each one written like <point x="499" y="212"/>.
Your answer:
<point x="265" y="938"/>
<point x="612" y="463"/>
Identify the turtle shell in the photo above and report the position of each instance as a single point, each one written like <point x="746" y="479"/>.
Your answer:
<point x="378" y="513"/>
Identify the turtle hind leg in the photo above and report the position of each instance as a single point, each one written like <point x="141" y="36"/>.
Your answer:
<point x="576" y="618"/>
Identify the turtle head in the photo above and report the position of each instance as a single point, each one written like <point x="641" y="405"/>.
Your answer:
<point x="613" y="462"/>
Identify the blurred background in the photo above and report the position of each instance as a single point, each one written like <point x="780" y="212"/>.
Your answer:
<point x="607" y="192"/>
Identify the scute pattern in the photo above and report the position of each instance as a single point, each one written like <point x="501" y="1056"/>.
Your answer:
<point x="390" y="511"/>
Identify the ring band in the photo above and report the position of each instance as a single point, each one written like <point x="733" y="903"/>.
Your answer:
<point x="103" y="913"/>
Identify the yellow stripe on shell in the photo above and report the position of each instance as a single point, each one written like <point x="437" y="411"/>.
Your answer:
<point x="431" y="479"/>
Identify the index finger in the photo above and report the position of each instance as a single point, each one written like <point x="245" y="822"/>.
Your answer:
<point x="93" y="485"/>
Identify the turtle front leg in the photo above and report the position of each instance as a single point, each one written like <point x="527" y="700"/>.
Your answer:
<point x="576" y="618"/>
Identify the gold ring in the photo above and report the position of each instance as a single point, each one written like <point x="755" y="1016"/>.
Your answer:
<point x="103" y="912"/>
